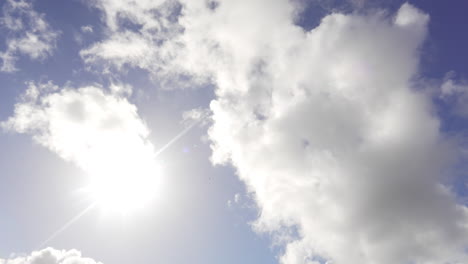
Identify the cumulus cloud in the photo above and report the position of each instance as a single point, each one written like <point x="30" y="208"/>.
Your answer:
<point x="343" y="158"/>
<point x="327" y="133"/>
<point x="28" y="34"/>
<point x="99" y="131"/>
<point x="51" y="256"/>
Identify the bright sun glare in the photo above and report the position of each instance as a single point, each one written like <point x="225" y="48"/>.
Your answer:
<point x="125" y="188"/>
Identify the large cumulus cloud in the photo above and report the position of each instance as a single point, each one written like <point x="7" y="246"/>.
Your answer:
<point x="331" y="139"/>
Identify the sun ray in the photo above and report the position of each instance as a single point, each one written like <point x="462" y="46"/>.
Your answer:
<point x="66" y="225"/>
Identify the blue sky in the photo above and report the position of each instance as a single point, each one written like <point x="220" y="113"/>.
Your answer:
<point x="290" y="132"/>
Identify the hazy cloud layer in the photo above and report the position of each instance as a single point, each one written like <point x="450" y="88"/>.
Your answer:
<point x="51" y="256"/>
<point x="98" y="130"/>
<point x="27" y="33"/>
<point x="345" y="160"/>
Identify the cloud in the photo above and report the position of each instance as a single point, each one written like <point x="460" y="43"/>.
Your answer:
<point x="99" y="131"/>
<point x="235" y="200"/>
<point x="79" y="36"/>
<point x="455" y="93"/>
<point x="51" y="256"/>
<point x="325" y="130"/>
<point x="121" y="49"/>
<point x="28" y="34"/>
<point x="87" y="29"/>
<point x="136" y="30"/>
<point x="344" y="159"/>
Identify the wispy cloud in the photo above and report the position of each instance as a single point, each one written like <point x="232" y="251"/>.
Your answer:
<point x="139" y="30"/>
<point x="454" y="91"/>
<point x="28" y="34"/>
<point x="87" y="29"/>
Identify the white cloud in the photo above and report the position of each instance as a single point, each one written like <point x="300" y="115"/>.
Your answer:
<point x="324" y="129"/>
<point x="455" y="93"/>
<point x="29" y="34"/>
<point x="87" y="29"/>
<point x="237" y="198"/>
<point x="139" y="12"/>
<point x="136" y="29"/>
<point x="450" y="87"/>
<point x="332" y="140"/>
<point x="122" y="48"/>
<point x="99" y="131"/>
<point x="51" y="256"/>
<point x="323" y="126"/>
<point x="79" y="36"/>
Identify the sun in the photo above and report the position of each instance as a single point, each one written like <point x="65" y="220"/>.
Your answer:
<point x="125" y="188"/>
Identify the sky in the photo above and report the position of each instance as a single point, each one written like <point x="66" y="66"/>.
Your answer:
<point x="233" y="131"/>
